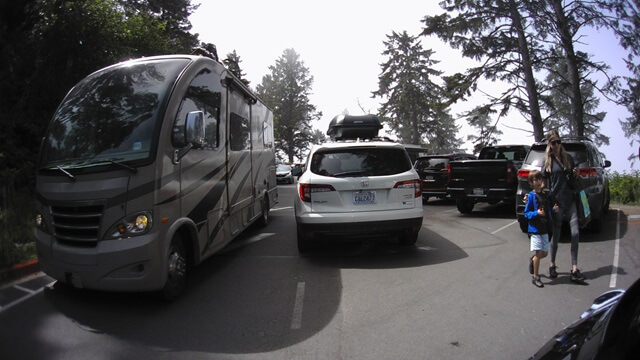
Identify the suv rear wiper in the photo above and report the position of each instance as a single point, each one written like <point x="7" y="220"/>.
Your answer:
<point x="350" y="173"/>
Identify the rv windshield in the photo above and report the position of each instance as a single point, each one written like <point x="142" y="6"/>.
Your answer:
<point x="110" y="116"/>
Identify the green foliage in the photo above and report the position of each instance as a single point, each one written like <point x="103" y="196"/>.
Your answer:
<point x="625" y="188"/>
<point x="17" y="242"/>
<point x="48" y="46"/>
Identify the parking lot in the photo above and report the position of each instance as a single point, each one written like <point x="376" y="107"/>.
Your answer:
<point x="463" y="291"/>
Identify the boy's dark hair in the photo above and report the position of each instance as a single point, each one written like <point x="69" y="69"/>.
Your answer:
<point x="534" y="175"/>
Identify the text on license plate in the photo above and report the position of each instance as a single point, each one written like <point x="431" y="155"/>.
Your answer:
<point x="477" y="191"/>
<point x="364" y="197"/>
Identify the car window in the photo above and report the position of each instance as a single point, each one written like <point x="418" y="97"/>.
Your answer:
<point x="283" y="168"/>
<point x="509" y="153"/>
<point x="432" y="163"/>
<point x="360" y="162"/>
<point x="577" y="151"/>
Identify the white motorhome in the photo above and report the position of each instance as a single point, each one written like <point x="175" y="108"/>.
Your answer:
<point x="148" y="167"/>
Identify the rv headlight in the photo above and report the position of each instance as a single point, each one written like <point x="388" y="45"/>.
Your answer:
<point x="40" y="223"/>
<point x="133" y="225"/>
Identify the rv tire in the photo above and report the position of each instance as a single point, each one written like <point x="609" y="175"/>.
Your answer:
<point x="264" y="217"/>
<point x="176" y="269"/>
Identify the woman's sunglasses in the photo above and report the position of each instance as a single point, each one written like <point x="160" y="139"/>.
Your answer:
<point x="556" y="142"/>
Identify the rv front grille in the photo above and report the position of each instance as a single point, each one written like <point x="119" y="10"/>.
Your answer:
<point x="77" y="225"/>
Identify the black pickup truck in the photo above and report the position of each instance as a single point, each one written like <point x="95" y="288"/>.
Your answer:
<point x="491" y="178"/>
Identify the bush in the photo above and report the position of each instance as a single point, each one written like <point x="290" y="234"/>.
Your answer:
<point x="625" y="188"/>
<point x="17" y="242"/>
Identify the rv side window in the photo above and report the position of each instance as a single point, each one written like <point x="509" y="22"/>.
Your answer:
<point x="239" y="133"/>
<point x="203" y="94"/>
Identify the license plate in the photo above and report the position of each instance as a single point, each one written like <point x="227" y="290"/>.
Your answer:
<point x="364" y="197"/>
<point x="478" y="191"/>
<point x="428" y="177"/>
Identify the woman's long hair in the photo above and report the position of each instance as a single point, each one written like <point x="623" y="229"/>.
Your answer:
<point x="548" y="159"/>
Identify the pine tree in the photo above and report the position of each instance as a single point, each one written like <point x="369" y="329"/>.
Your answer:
<point x="286" y="90"/>
<point x="411" y="99"/>
<point x="232" y="62"/>
<point x="487" y="132"/>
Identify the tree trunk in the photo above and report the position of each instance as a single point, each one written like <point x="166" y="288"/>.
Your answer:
<point x="527" y="68"/>
<point x="566" y="41"/>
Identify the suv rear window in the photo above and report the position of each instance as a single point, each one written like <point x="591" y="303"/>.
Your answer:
<point x="432" y="163"/>
<point x="577" y="151"/>
<point x="360" y="162"/>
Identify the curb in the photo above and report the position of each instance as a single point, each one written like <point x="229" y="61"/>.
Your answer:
<point x="18" y="271"/>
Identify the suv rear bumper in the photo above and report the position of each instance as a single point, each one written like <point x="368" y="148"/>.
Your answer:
<point x="359" y="230"/>
<point x="486" y="195"/>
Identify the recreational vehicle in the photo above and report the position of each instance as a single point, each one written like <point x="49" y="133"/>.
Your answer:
<point x="149" y="167"/>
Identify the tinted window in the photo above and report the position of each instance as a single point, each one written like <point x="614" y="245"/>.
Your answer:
<point x="239" y="132"/>
<point x="110" y="115"/>
<point x="360" y="162"/>
<point x="203" y="94"/>
<point x="432" y="163"/>
<point x="515" y="153"/>
<point x="577" y="151"/>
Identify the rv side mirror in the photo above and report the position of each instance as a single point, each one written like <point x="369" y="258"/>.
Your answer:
<point x="195" y="128"/>
<point x="607" y="163"/>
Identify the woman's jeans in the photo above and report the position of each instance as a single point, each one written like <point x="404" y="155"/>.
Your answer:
<point x="570" y="214"/>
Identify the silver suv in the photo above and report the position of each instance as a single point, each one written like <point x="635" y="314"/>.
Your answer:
<point x="594" y="179"/>
<point x="358" y="190"/>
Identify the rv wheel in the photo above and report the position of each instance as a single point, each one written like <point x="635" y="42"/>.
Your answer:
<point x="176" y="269"/>
<point x="264" y="218"/>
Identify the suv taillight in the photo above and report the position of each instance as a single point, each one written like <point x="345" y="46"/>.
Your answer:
<point x="588" y="172"/>
<point x="305" y="190"/>
<point x="523" y="174"/>
<point x="415" y="184"/>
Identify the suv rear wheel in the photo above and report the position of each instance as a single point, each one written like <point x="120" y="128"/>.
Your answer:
<point x="410" y="237"/>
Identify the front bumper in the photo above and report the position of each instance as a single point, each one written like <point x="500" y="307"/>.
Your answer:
<point x="134" y="264"/>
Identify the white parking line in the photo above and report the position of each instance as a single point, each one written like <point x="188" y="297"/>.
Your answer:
<point x="504" y="227"/>
<point x="616" y="254"/>
<point x="296" y="322"/>
<point x="30" y="294"/>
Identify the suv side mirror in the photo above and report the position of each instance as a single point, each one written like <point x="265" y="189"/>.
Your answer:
<point x="194" y="128"/>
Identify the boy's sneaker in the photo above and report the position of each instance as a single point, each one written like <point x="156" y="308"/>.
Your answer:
<point x="552" y="272"/>
<point x="531" y="265"/>
<point x="576" y="276"/>
<point x="536" y="281"/>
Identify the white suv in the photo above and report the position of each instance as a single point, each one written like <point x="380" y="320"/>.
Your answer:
<point x="358" y="190"/>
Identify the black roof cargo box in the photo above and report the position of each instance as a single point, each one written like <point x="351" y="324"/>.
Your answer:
<point x="354" y="127"/>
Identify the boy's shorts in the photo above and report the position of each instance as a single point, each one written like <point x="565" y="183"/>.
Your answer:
<point x="540" y="242"/>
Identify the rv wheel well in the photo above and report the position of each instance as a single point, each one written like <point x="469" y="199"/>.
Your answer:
<point x="188" y="236"/>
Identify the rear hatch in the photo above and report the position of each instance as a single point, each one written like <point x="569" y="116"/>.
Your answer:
<point x="433" y="171"/>
<point x="357" y="179"/>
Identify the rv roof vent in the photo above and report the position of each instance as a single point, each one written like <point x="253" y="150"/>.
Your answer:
<point x="354" y="127"/>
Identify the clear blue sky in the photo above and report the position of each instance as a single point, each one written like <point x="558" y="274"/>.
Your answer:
<point x="340" y="43"/>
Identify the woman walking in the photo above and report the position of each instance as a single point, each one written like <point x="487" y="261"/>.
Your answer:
<point x="559" y="169"/>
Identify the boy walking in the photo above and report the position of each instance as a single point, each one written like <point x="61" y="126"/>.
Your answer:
<point x="537" y="211"/>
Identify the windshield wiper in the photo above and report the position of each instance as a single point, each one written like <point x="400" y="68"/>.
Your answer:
<point x="124" y="166"/>
<point x="70" y="175"/>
